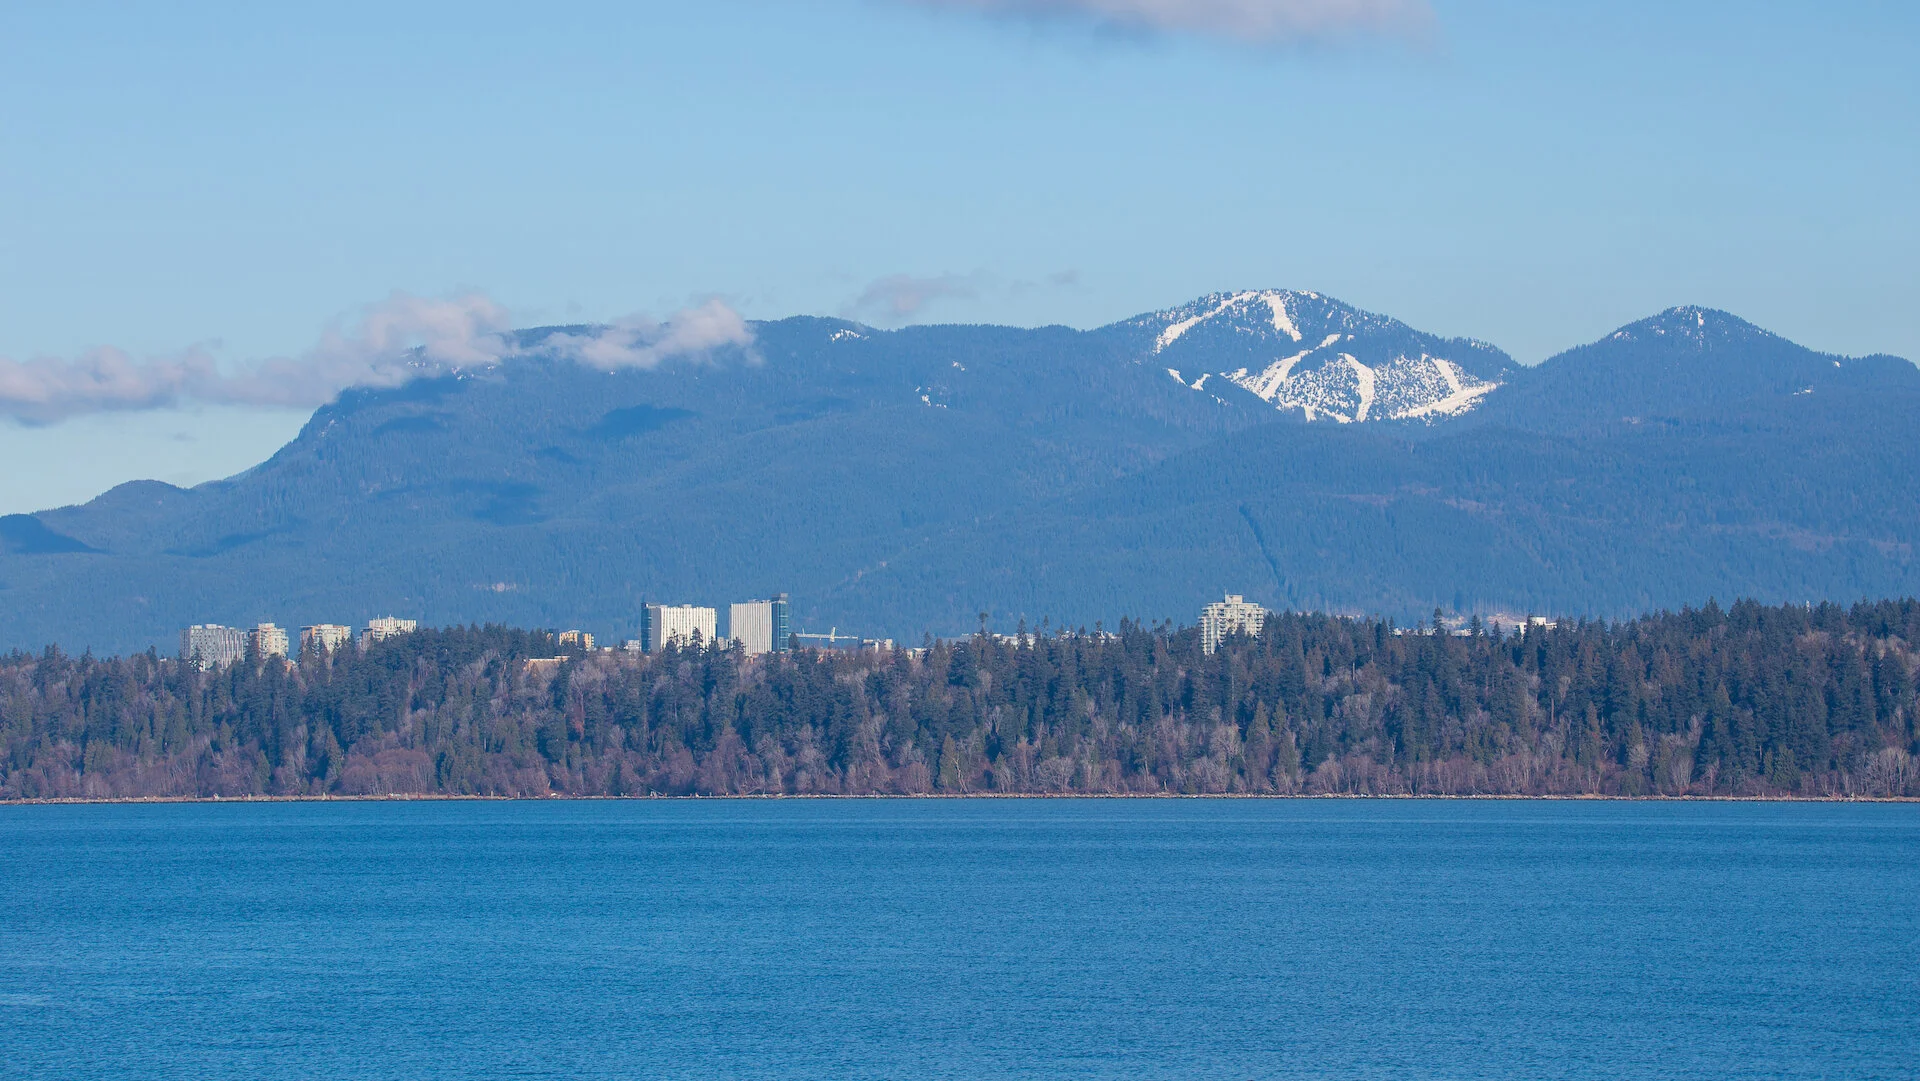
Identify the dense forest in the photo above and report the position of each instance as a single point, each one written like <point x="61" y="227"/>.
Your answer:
<point x="1749" y="700"/>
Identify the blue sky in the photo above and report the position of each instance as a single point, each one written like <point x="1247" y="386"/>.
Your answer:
<point x="233" y="180"/>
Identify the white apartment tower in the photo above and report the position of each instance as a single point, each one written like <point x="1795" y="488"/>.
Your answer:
<point x="1225" y="617"/>
<point x="268" y="640"/>
<point x="663" y="623"/>
<point x="208" y="646"/>
<point x="760" y="626"/>
<point x="324" y="637"/>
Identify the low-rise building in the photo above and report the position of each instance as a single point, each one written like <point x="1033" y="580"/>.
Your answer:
<point x="833" y="639"/>
<point x="387" y="627"/>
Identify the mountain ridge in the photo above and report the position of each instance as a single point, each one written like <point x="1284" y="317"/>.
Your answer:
<point x="899" y="482"/>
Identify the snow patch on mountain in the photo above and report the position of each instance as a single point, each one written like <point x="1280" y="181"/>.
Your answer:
<point x="1282" y="322"/>
<point x="1365" y="367"/>
<point x="1231" y="305"/>
<point x="1267" y="384"/>
<point x="1363" y="385"/>
<point x="1457" y="393"/>
<point x="1174" y="330"/>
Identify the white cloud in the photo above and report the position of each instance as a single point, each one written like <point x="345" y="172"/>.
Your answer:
<point x="1256" y="21"/>
<point x="639" y="342"/>
<point x="391" y="342"/>
<point x="48" y="388"/>
<point x="387" y="344"/>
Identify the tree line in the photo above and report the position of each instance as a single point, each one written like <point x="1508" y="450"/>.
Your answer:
<point x="1746" y="700"/>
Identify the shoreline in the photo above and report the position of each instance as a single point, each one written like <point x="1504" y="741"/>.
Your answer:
<point x="434" y="797"/>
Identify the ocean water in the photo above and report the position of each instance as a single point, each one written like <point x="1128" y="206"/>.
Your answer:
<point x="960" y="939"/>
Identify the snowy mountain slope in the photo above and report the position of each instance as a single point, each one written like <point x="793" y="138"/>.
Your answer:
<point x="1309" y="353"/>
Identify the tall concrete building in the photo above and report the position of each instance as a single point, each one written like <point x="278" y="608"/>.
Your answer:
<point x="209" y="646"/>
<point x="1225" y="617"/>
<point x="663" y="623"/>
<point x="268" y="640"/>
<point x="387" y="627"/>
<point x="324" y="637"/>
<point x="761" y="626"/>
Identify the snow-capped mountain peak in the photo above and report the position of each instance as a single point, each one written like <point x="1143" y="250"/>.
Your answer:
<point x="1306" y="352"/>
<point x="1233" y="306"/>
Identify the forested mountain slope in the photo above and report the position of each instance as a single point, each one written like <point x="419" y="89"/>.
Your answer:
<point x="544" y="493"/>
<point x="1694" y="366"/>
<point x="900" y="482"/>
<point x="1748" y="701"/>
<point x="1809" y="502"/>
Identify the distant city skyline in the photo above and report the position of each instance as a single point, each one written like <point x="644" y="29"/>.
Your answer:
<point x="204" y="187"/>
<point x="754" y="627"/>
<point x="212" y="645"/>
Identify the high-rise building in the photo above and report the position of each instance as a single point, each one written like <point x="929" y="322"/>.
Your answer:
<point x="782" y="624"/>
<point x="387" y="626"/>
<point x="761" y="626"/>
<point x="583" y="639"/>
<point x="751" y="624"/>
<point x="1233" y="615"/>
<point x="663" y="623"/>
<point x="268" y="640"/>
<point x="209" y="646"/>
<point x="324" y="637"/>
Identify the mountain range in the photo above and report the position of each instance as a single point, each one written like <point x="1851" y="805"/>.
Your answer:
<point x="1277" y="444"/>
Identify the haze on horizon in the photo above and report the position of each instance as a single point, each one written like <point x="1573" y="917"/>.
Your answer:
<point x="207" y="195"/>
